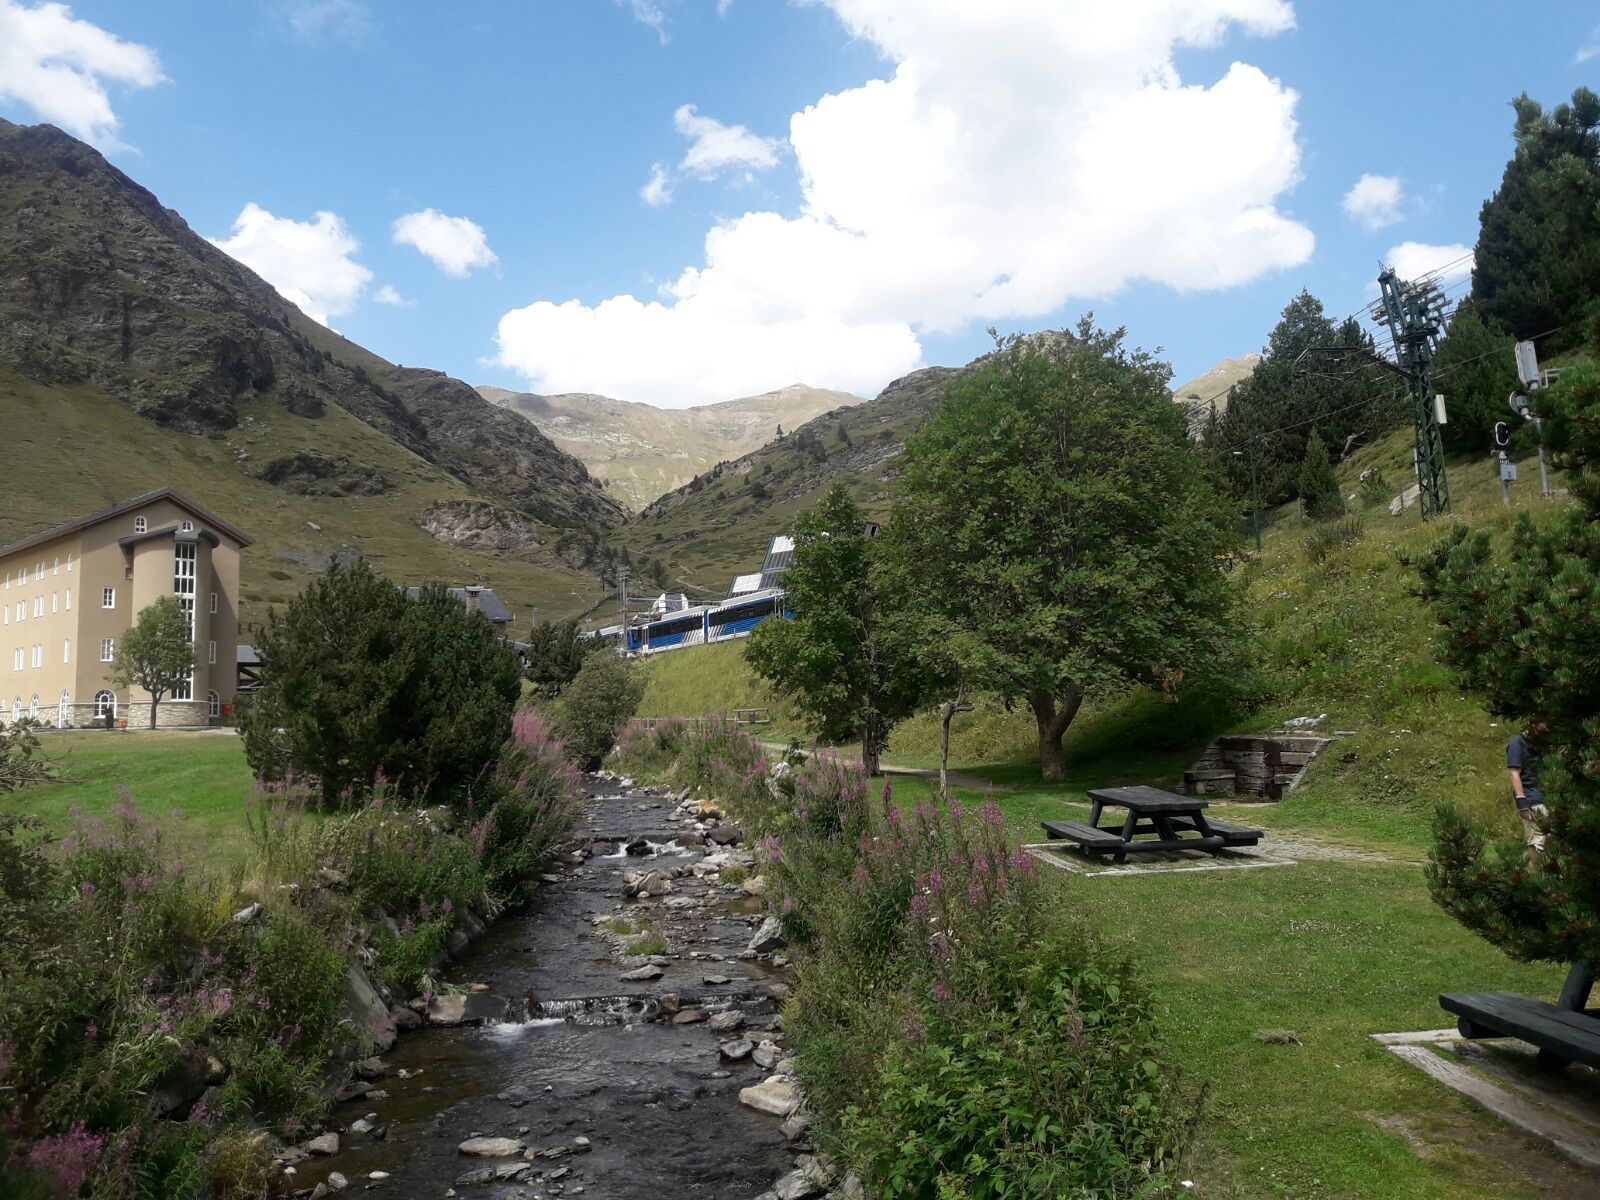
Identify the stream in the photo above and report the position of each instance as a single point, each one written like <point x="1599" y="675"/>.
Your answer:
<point x="610" y="1088"/>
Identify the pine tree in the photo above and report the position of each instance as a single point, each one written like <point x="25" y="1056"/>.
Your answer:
<point x="1538" y="252"/>
<point x="1319" y="488"/>
<point x="1522" y="631"/>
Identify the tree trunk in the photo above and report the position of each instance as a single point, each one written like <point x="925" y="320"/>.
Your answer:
<point x="948" y="710"/>
<point x="870" y="750"/>
<point x="155" y="702"/>
<point x="1053" y="714"/>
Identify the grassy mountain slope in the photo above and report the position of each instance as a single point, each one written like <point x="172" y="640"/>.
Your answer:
<point x="720" y="522"/>
<point x="73" y="448"/>
<point x="134" y="354"/>
<point x="643" y="452"/>
<point x="1212" y="387"/>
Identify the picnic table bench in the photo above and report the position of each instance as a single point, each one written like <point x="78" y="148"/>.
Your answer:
<point x="1171" y="818"/>
<point x="1564" y="1032"/>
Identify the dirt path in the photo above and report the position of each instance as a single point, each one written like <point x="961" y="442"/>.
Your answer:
<point x="610" y="1076"/>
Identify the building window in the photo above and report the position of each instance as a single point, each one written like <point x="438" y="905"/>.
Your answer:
<point x="69" y="562"/>
<point x="33" y="707"/>
<point x="183" y="568"/>
<point x="38" y="606"/>
<point x="184" y="690"/>
<point x="22" y="610"/>
<point x="66" y="650"/>
<point x="213" y="602"/>
<point x="64" y="711"/>
<point x="139" y="525"/>
<point x="69" y="599"/>
<point x="108" y="649"/>
<point x="211" y="652"/>
<point x="54" y="597"/>
<point x="55" y="567"/>
<point x="108" y="597"/>
<point x="36" y="655"/>
<point x="16" y="659"/>
<point x="16" y="710"/>
<point x="105" y="704"/>
<point x="188" y="527"/>
<point x="22" y="577"/>
<point x="213" y="704"/>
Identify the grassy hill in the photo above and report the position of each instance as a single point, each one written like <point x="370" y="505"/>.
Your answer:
<point x="1212" y="387"/>
<point x="642" y="452"/>
<point x="74" y="449"/>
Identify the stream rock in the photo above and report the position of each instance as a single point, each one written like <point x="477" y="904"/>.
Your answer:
<point x="649" y="883"/>
<point x="492" y="1147"/>
<point x="327" y="1143"/>
<point x="735" y="1051"/>
<point x="641" y="974"/>
<point x="727" y="1022"/>
<point x="776" y="1095"/>
<point x="768" y="937"/>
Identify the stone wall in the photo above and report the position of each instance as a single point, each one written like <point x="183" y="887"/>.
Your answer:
<point x="1268" y="766"/>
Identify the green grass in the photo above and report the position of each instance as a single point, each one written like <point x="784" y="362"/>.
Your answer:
<point x="701" y="680"/>
<point x="201" y="775"/>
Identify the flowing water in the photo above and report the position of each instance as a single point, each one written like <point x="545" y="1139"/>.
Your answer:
<point x="581" y="1054"/>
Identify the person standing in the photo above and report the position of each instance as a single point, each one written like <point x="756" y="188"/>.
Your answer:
<point x="1524" y="761"/>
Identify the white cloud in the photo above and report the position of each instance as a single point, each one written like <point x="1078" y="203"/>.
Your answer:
<point x="387" y="294"/>
<point x="646" y="12"/>
<point x="322" y="20"/>
<point x="59" y="66"/>
<point x="1413" y="260"/>
<point x="1591" y="48"/>
<point x="455" y="244"/>
<point x="1021" y="155"/>
<point x="309" y="262"/>
<point x="1374" y="201"/>
<point x="658" y="191"/>
<point x="715" y="147"/>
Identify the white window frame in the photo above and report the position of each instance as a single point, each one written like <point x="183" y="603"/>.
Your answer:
<point x="108" y="597"/>
<point x="38" y="605"/>
<point x="36" y="655"/>
<point x="66" y="651"/>
<point x="69" y="562"/>
<point x="64" y="710"/>
<point x="188" y="527"/>
<point x="108" y="649"/>
<point x="140" y="525"/>
<point x="55" y="599"/>
<point x="211" y="653"/>
<point x="101" y="707"/>
<point x="213" y="603"/>
<point x="213" y="704"/>
<point x="69" y="599"/>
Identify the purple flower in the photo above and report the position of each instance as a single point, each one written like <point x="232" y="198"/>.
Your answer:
<point x="87" y="888"/>
<point x="447" y="907"/>
<point x="941" y="990"/>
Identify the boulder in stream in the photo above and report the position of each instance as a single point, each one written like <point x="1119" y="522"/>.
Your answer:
<point x="492" y="1147"/>
<point x="775" y="1095"/>
<point x="768" y="938"/>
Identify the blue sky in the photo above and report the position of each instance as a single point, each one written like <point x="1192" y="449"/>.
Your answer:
<point x="891" y="226"/>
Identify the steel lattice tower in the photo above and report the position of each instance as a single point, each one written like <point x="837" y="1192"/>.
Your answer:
<point x="1414" y="314"/>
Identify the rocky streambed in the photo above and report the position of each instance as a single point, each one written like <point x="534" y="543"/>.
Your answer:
<point x="619" y="1038"/>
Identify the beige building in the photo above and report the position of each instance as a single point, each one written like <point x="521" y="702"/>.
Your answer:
<point x="70" y="592"/>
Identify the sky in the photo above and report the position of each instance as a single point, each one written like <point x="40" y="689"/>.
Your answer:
<point x="686" y="201"/>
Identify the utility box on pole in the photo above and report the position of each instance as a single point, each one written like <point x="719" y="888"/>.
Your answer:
<point x="1527" y="364"/>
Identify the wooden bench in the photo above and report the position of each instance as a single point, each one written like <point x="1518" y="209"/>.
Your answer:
<point x="1564" y="1032"/>
<point x="1232" y="835"/>
<point x="1087" y="836"/>
<point x="1105" y="841"/>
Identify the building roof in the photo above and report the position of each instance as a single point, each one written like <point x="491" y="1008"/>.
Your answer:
<point x="744" y="583"/>
<point x="489" y="604"/>
<point x="246" y="656"/>
<point x="105" y="514"/>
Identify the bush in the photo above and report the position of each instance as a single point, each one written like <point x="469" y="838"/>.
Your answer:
<point x="596" y="705"/>
<point x="364" y="684"/>
<point x="21" y="764"/>
<point x="1319" y="488"/>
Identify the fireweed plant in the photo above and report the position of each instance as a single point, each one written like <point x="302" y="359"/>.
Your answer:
<point x="153" y="1046"/>
<point x="957" y="1036"/>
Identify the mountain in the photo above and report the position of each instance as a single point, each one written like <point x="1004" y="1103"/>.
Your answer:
<point x="1212" y="387"/>
<point x="719" y="523"/>
<point x="135" y="354"/>
<point x="643" y="452"/>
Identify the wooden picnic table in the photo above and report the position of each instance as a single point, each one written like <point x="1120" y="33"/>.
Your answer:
<point x="1171" y="818"/>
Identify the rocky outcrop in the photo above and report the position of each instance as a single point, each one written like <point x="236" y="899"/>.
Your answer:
<point x="311" y="474"/>
<point x="479" y="525"/>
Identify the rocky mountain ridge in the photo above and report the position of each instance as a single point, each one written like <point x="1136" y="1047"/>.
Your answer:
<point x="101" y="284"/>
<point x="643" y="452"/>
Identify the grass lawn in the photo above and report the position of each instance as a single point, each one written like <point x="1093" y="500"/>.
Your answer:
<point x="201" y="775"/>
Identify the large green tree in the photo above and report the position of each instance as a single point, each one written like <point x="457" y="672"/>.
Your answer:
<point x="554" y="653"/>
<point x="1538" y="254"/>
<point x="1522" y="630"/>
<point x="360" y="679"/>
<point x="157" y="654"/>
<point x="838" y="659"/>
<point x="602" y="698"/>
<point x="1055" y="515"/>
